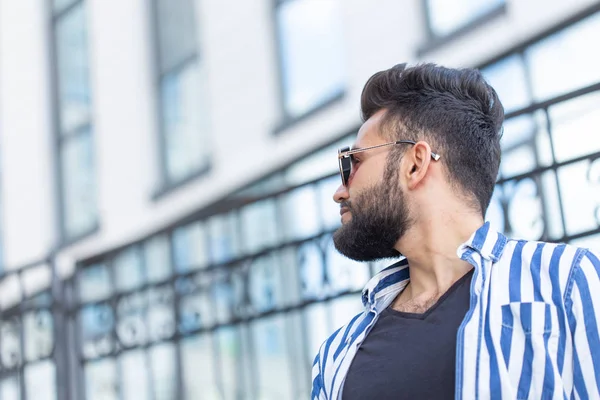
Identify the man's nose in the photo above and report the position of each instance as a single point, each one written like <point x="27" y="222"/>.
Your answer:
<point x="341" y="194"/>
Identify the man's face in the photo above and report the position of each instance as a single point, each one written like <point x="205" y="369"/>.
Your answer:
<point x="373" y="207"/>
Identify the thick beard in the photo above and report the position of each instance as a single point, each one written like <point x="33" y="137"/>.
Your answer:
<point x="380" y="218"/>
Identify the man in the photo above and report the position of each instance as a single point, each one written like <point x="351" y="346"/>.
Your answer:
<point x="482" y="316"/>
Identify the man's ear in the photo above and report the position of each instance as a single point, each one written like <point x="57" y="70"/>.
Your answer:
<point x="419" y="159"/>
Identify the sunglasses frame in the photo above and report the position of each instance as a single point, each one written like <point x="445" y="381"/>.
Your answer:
<point x="345" y="161"/>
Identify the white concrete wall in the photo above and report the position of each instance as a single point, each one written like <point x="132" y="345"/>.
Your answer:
<point x="238" y="49"/>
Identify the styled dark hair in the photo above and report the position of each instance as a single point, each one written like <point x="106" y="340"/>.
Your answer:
<point x="455" y="110"/>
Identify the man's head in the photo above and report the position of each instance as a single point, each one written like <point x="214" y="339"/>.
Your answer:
<point x="451" y="112"/>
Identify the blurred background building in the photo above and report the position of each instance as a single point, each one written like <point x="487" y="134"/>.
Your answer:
<point x="167" y="170"/>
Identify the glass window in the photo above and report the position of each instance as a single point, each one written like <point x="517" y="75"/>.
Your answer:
<point x="565" y="61"/>
<point x="185" y="122"/>
<point x="94" y="282"/>
<point x="73" y="69"/>
<point x="128" y="268"/>
<point x="61" y="4"/>
<point x="79" y="184"/>
<point x="190" y="247"/>
<point x="230" y="354"/>
<point x="135" y="384"/>
<point x="508" y="78"/>
<point x="579" y="190"/>
<point x="10" y="389"/>
<point x="157" y="258"/>
<point x="101" y="380"/>
<point x="259" y="225"/>
<point x="177" y="36"/>
<point x="10" y="344"/>
<point x="311" y="53"/>
<point x="164" y="380"/>
<point x="161" y="313"/>
<point x="446" y="17"/>
<point x="131" y="327"/>
<point x="40" y="380"/>
<point x="197" y="354"/>
<point x="223" y="237"/>
<point x="97" y="323"/>
<point x="300" y="213"/>
<point x="265" y="284"/>
<point x="39" y="334"/>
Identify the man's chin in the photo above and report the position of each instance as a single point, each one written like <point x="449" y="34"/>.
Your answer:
<point x="346" y="217"/>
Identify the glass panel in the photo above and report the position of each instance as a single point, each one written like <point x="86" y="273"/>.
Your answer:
<point x="312" y="270"/>
<point x="9" y="389"/>
<point x="565" y="61"/>
<point x="40" y="380"/>
<point x="189" y="246"/>
<point x="185" y="122"/>
<point x="580" y="194"/>
<point x="344" y="308"/>
<point x="97" y="323"/>
<point x="589" y="242"/>
<point x="177" y="37"/>
<point x="300" y="213"/>
<point x="129" y="271"/>
<point x="223" y="297"/>
<point x="344" y="274"/>
<point x="518" y="160"/>
<point x="73" y="69"/>
<point x="134" y="379"/>
<point x="195" y="311"/>
<point x="259" y="225"/>
<point x="507" y="77"/>
<point x="39" y="335"/>
<point x="79" y="184"/>
<point x="164" y="379"/>
<point x="316" y="165"/>
<point x="524" y="209"/>
<point x="101" y="380"/>
<point x="575" y="124"/>
<point x="329" y="209"/>
<point x="271" y="350"/>
<point x="265" y="284"/>
<point x="223" y="237"/>
<point x="446" y="17"/>
<point x="197" y="355"/>
<point x="10" y="349"/>
<point x="312" y="52"/>
<point x="61" y="4"/>
<point x="229" y="342"/>
<point x="157" y="258"/>
<point x="131" y="327"/>
<point x="161" y="318"/>
<point x="94" y="282"/>
<point x="495" y="212"/>
<point x="552" y="211"/>
<point x="318" y="328"/>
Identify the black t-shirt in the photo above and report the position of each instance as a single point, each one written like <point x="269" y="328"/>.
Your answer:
<point x="411" y="356"/>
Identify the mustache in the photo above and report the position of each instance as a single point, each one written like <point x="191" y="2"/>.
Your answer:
<point x="346" y="204"/>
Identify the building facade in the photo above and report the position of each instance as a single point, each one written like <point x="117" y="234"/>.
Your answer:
<point x="167" y="170"/>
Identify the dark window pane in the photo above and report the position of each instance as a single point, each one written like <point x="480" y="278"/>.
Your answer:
<point x="73" y="69"/>
<point x="79" y="184"/>
<point x="185" y="122"/>
<point x="312" y="58"/>
<point x="565" y="61"/>
<point x="177" y="35"/>
<point x="446" y="17"/>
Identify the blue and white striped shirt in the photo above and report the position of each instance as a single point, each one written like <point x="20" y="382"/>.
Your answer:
<point x="531" y="331"/>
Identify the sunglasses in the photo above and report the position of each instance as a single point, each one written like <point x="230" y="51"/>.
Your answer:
<point x="346" y="159"/>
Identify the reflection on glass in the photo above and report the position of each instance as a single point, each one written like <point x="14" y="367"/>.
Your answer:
<point x="300" y="213"/>
<point x="574" y="126"/>
<point x="101" y="380"/>
<point x="73" y="69"/>
<point x="195" y="312"/>
<point x="446" y="17"/>
<point x="579" y="196"/>
<point x="39" y="336"/>
<point x="157" y="258"/>
<point x="185" y="122"/>
<point x="129" y="271"/>
<point x="223" y="237"/>
<point x="79" y="184"/>
<point x="312" y="52"/>
<point x="318" y="327"/>
<point x="189" y="247"/>
<point x="161" y="318"/>
<point x="316" y="165"/>
<point x="552" y="210"/>
<point x="94" y="282"/>
<point x="312" y="270"/>
<point x="40" y="380"/>
<point x="265" y="283"/>
<point x="176" y="28"/>
<point x="507" y="77"/>
<point x="10" y="349"/>
<point x="97" y="322"/>
<point x="259" y="225"/>
<point x="131" y="329"/>
<point x="563" y="62"/>
<point x="270" y="347"/>
<point x="229" y="344"/>
<point x="524" y="209"/>
<point x="162" y="359"/>
<point x="343" y="273"/>
<point x="197" y="355"/>
<point x="61" y="4"/>
<point x="518" y="160"/>
<point x="9" y="388"/>
<point x="517" y="131"/>
<point x="134" y="378"/>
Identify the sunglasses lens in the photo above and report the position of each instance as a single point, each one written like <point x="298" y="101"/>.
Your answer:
<point x="345" y="166"/>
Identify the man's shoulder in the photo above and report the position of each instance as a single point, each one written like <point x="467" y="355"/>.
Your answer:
<point x="341" y="339"/>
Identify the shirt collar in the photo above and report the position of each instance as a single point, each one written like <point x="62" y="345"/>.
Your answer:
<point x="486" y="241"/>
